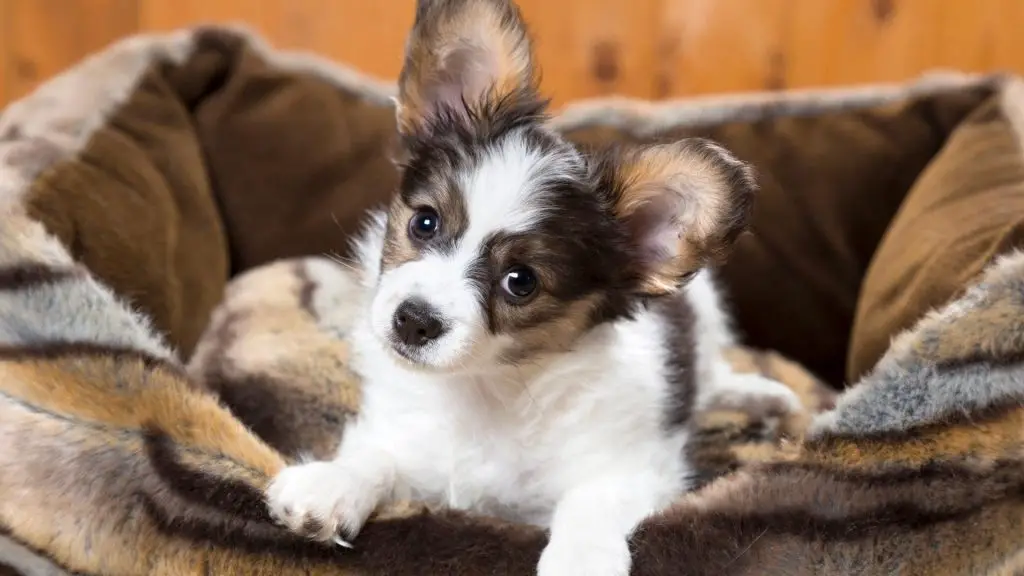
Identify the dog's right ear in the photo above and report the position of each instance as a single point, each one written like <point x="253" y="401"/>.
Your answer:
<point x="462" y="53"/>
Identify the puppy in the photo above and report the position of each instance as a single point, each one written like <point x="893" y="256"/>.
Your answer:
<point x="536" y="328"/>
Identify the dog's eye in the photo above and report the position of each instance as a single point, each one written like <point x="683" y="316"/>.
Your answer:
<point x="424" y="224"/>
<point x="519" y="283"/>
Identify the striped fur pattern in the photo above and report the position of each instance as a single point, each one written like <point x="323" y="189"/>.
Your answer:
<point x="131" y="424"/>
<point x="119" y="459"/>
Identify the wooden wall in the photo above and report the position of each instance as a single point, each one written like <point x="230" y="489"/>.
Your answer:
<point x="649" y="48"/>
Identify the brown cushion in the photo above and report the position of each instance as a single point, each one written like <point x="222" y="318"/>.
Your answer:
<point x="830" y="184"/>
<point x="295" y="161"/>
<point x="135" y="207"/>
<point x="965" y="209"/>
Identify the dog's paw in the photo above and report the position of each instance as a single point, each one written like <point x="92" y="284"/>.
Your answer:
<point x="322" y="500"/>
<point x="578" y="554"/>
<point x="785" y="399"/>
<point x="750" y="391"/>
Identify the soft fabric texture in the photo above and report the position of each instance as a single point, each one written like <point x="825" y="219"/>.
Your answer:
<point x="966" y="208"/>
<point x="144" y="407"/>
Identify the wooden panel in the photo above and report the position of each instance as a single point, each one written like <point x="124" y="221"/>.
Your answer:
<point x="722" y="45"/>
<point x="368" y="35"/>
<point x="169" y="14"/>
<point x="594" y="47"/>
<point x="969" y="33"/>
<point x="853" y="41"/>
<point x="1007" y="41"/>
<point x="44" y="37"/>
<point x="646" y="48"/>
<point x="857" y="41"/>
<point x="4" y="59"/>
<point x="583" y="49"/>
<point x="726" y="45"/>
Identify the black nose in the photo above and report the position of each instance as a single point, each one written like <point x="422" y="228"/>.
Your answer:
<point x="417" y="323"/>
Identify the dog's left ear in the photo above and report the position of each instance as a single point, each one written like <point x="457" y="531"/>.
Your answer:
<point x="683" y="205"/>
<point x="460" y="53"/>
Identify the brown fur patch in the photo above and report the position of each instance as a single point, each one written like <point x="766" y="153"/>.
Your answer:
<point x="552" y="308"/>
<point x="809" y="524"/>
<point x="398" y="247"/>
<point x="982" y="325"/>
<point x="979" y="439"/>
<point x="563" y="323"/>
<point x="1012" y="567"/>
<point x="75" y="350"/>
<point x="444" y="198"/>
<point x="274" y="367"/>
<point x="300" y="422"/>
<point x="973" y="341"/>
<point x="86" y="388"/>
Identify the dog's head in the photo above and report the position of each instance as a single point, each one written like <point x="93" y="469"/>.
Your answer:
<point x="504" y="240"/>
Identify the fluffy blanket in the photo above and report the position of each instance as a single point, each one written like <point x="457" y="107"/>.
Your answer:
<point x="143" y="408"/>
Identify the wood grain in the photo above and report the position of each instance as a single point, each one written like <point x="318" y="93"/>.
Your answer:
<point x="585" y="47"/>
<point x="723" y="45"/>
<point x="644" y="48"/>
<point x="369" y="35"/>
<point x="968" y="33"/>
<point x="165" y="15"/>
<point x="594" y="47"/>
<point x="855" y="41"/>
<point x="1006" y="38"/>
<point x="44" y="37"/>
<point x="5" y="35"/>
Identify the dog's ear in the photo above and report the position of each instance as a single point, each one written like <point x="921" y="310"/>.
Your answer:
<point x="462" y="52"/>
<point x="683" y="205"/>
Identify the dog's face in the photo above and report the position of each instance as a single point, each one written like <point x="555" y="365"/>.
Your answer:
<point x="505" y="241"/>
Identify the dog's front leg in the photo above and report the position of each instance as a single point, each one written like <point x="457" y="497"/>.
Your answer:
<point x="592" y="524"/>
<point x="333" y="499"/>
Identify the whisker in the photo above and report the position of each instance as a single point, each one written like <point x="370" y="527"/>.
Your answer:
<point x="349" y="263"/>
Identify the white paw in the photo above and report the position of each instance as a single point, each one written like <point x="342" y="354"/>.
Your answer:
<point x="578" y="555"/>
<point x="746" y="390"/>
<point x="322" y="500"/>
<point x="773" y="389"/>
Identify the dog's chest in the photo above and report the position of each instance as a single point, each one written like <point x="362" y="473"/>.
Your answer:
<point x="513" y="449"/>
<point x="478" y="459"/>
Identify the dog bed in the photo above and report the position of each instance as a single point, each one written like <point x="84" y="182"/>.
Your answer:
<point x="174" y="299"/>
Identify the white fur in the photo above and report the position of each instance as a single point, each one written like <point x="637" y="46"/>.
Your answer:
<point x="574" y="442"/>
